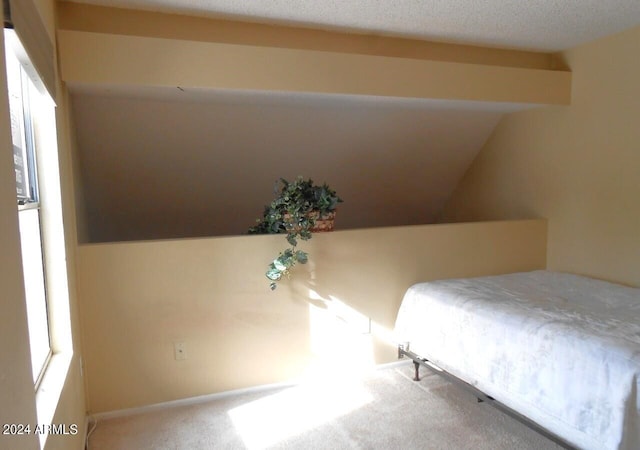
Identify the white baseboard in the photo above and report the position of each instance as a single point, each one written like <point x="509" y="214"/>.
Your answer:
<point x="210" y="397"/>
<point x="398" y="363"/>
<point x="87" y="425"/>
<point x="189" y="401"/>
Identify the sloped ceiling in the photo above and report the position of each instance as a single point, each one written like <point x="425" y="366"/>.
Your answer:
<point x="169" y="163"/>
<point x="160" y="163"/>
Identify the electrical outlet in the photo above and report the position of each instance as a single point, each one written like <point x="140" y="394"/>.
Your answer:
<point x="179" y="351"/>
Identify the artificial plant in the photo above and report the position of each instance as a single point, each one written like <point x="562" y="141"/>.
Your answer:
<point x="297" y="207"/>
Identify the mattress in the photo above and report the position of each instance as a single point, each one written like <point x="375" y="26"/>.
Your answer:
<point x="561" y="349"/>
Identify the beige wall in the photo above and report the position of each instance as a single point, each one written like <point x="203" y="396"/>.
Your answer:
<point x="71" y="406"/>
<point x="211" y="294"/>
<point x="17" y="396"/>
<point x="578" y="166"/>
<point x="103" y="59"/>
<point x="47" y="10"/>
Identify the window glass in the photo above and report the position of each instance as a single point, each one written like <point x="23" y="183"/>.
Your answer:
<point x="32" y="265"/>
<point x="20" y="88"/>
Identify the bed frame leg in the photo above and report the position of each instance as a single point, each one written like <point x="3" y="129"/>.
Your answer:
<point x="417" y="366"/>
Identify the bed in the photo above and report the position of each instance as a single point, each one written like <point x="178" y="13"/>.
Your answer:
<point x="560" y="349"/>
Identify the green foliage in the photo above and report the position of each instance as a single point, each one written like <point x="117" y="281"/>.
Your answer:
<point x="281" y="266"/>
<point x="294" y="211"/>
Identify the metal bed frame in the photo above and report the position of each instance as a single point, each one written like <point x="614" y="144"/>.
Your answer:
<point x="403" y="350"/>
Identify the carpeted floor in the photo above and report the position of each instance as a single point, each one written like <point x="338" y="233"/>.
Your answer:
<point x="383" y="409"/>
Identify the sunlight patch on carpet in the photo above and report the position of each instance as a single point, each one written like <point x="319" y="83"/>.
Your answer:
<point x="277" y="417"/>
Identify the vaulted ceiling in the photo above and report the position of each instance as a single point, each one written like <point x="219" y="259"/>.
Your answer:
<point x="161" y="165"/>
<point x="164" y="162"/>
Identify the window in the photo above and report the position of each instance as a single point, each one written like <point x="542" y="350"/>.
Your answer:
<point x="39" y="206"/>
<point x="23" y="105"/>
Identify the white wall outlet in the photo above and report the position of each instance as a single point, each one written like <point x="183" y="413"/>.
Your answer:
<point x="179" y="351"/>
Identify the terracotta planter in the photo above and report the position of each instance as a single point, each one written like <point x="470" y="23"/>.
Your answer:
<point x="324" y="223"/>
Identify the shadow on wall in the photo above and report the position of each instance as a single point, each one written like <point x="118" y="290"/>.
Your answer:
<point x="343" y="332"/>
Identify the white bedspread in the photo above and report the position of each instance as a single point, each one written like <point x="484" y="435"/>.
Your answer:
<point x="561" y="349"/>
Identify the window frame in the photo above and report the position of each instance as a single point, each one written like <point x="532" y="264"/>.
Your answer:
<point x="31" y="201"/>
<point x="30" y="39"/>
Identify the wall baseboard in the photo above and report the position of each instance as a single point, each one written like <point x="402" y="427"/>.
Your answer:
<point x="87" y="433"/>
<point x="211" y="397"/>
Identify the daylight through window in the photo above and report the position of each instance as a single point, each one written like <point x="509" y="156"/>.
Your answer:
<point x="23" y="104"/>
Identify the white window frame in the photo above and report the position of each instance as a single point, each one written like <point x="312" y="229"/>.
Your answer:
<point x="22" y="108"/>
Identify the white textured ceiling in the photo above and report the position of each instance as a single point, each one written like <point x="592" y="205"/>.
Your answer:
<point x="542" y="25"/>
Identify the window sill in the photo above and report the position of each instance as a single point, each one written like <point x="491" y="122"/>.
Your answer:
<point x="50" y="390"/>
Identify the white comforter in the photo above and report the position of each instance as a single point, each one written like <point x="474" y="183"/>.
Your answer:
<point x="561" y="349"/>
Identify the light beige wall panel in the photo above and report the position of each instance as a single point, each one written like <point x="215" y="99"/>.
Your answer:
<point x="95" y="58"/>
<point x="577" y="166"/>
<point x="77" y="208"/>
<point x="47" y="11"/>
<point x="71" y="406"/>
<point x="71" y="410"/>
<point x="211" y="294"/>
<point x="33" y="21"/>
<point x="81" y="17"/>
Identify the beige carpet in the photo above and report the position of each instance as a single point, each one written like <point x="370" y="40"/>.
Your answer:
<point x="383" y="409"/>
